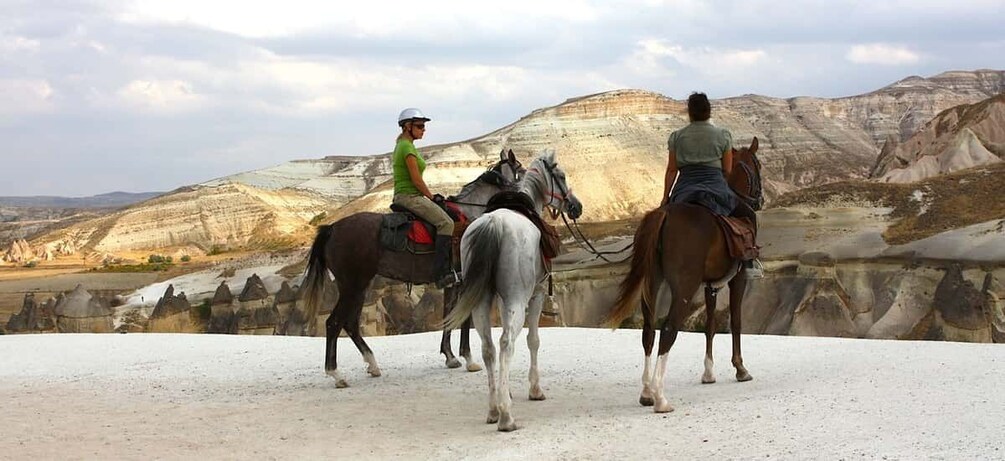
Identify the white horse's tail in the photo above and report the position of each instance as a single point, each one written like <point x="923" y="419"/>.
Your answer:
<point x="482" y="259"/>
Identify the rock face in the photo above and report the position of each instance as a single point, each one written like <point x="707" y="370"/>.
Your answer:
<point x="172" y="314"/>
<point x="223" y="316"/>
<point x="612" y="145"/>
<point x="256" y="314"/>
<point x="32" y="318"/>
<point x="292" y="320"/>
<point x="957" y="138"/>
<point x="79" y="312"/>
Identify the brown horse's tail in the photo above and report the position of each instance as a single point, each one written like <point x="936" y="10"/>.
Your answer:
<point x="644" y="257"/>
<point x="317" y="274"/>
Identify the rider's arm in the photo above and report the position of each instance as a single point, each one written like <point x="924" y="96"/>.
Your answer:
<point x="670" y="174"/>
<point x="413" y="172"/>
<point x="727" y="163"/>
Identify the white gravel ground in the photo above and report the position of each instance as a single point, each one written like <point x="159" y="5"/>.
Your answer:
<point x="144" y="396"/>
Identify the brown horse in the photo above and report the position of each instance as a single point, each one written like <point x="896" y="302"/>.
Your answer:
<point x="350" y="251"/>
<point x="683" y="246"/>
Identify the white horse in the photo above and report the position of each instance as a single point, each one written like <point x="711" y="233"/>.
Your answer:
<point x="501" y="255"/>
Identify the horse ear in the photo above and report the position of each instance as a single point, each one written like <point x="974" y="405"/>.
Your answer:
<point x="753" y="146"/>
<point x="502" y="154"/>
<point x="512" y="157"/>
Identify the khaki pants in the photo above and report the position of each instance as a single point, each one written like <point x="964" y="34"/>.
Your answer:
<point x="426" y="209"/>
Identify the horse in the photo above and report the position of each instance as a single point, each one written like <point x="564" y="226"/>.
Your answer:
<point x="501" y="256"/>
<point x="683" y="246"/>
<point x="350" y="251"/>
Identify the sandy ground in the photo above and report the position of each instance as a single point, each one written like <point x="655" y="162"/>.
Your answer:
<point x="142" y="396"/>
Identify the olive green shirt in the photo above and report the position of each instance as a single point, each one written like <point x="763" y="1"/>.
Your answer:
<point x="700" y="143"/>
<point x="402" y="180"/>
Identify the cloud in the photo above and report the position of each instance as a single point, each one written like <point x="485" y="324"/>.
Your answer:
<point x="651" y="57"/>
<point x="160" y="96"/>
<point x="883" y="54"/>
<point x="24" y="96"/>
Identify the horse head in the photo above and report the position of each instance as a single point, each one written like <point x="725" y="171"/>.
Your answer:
<point x="746" y="177"/>
<point x="559" y="197"/>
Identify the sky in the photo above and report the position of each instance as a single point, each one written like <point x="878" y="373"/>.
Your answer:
<point x="101" y="96"/>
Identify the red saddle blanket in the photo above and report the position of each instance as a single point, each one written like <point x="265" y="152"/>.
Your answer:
<point x="423" y="234"/>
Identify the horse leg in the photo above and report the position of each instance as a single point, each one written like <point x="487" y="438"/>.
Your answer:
<point x="466" y="346"/>
<point x="449" y="299"/>
<point x="352" y="328"/>
<point x="648" y="338"/>
<point x="481" y="318"/>
<point x="534" y="342"/>
<point x="736" y="288"/>
<point x="668" y="335"/>
<point x="333" y="326"/>
<point x="709" y="376"/>
<point x="513" y="314"/>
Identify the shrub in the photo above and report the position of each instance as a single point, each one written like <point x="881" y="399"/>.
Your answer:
<point x="186" y="258"/>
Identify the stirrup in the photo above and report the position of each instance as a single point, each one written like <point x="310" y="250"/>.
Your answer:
<point x="753" y="269"/>
<point x="452" y="279"/>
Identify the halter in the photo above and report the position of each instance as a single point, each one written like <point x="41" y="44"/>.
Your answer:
<point x="553" y="210"/>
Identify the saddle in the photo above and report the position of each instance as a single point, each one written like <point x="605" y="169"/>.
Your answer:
<point x="551" y="243"/>
<point x="740" y="237"/>
<point x="402" y="230"/>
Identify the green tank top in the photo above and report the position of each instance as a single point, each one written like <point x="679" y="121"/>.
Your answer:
<point x="402" y="181"/>
<point x="700" y="143"/>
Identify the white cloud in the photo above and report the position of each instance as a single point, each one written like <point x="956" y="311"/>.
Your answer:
<point x="881" y="53"/>
<point x="23" y="96"/>
<point x="18" y="43"/>
<point x="650" y="53"/>
<point x="164" y="96"/>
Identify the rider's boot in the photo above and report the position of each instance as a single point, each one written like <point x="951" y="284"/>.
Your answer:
<point x="446" y="276"/>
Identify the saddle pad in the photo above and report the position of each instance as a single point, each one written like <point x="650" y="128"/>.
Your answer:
<point x="419" y="233"/>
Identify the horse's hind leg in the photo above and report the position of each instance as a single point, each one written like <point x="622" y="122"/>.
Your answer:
<point x="466" y="346"/>
<point x="736" y="288"/>
<point x="481" y="317"/>
<point x="449" y="299"/>
<point x="709" y="376"/>
<point x="333" y="326"/>
<point x="534" y="342"/>
<point x="648" y="338"/>
<point x="668" y="335"/>
<point x="513" y="314"/>
<point x="352" y="328"/>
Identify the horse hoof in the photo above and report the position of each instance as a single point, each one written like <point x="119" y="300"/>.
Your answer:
<point x="341" y="383"/>
<point x="708" y="379"/>
<point x="507" y="424"/>
<point x="493" y="417"/>
<point x="662" y="407"/>
<point x="537" y="394"/>
<point x="743" y="377"/>
<point x="452" y="362"/>
<point x="374" y="373"/>
<point x="473" y="367"/>
<point x="646" y="401"/>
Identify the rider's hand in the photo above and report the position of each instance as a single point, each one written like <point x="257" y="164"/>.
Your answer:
<point x="437" y="198"/>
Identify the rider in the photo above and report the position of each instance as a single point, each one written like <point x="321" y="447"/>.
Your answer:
<point x="703" y="153"/>
<point x="411" y="192"/>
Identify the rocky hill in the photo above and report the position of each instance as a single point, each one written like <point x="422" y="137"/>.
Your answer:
<point x="612" y="145"/>
<point x="961" y="137"/>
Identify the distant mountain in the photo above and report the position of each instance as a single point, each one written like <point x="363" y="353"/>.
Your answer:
<point x="612" y="145"/>
<point x="109" y="200"/>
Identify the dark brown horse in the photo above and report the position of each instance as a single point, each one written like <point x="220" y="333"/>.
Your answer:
<point x="683" y="246"/>
<point x="350" y="251"/>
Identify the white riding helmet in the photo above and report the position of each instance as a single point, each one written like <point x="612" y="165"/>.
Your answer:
<point x="411" y="114"/>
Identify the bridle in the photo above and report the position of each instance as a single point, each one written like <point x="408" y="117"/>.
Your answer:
<point x="754" y="195"/>
<point x="553" y="182"/>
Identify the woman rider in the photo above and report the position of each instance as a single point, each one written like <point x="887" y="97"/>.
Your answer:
<point x="411" y="192"/>
<point x="703" y="153"/>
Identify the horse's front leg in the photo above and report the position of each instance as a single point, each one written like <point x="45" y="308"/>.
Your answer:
<point x="736" y="289"/>
<point x="534" y="342"/>
<point x="709" y="376"/>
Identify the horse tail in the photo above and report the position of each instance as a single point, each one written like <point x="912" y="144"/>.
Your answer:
<point x="479" y="272"/>
<point x="317" y="273"/>
<point x="644" y="257"/>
